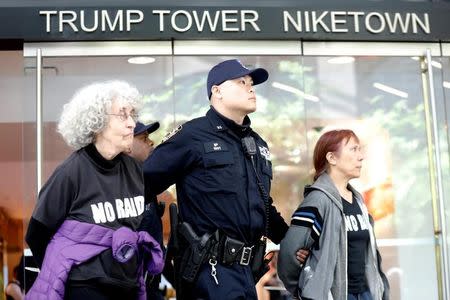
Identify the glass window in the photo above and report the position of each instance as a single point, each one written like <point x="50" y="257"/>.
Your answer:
<point x="13" y="131"/>
<point x="442" y="89"/>
<point x="384" y="105"/>
<point x="380" y="98"/>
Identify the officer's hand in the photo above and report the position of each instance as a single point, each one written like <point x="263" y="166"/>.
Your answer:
<point x="302" y="255"/>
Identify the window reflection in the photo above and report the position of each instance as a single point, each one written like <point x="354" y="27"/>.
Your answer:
<point x="305" y="96"/>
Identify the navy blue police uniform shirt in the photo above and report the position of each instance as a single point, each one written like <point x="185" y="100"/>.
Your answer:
<point x="215" y="181"/>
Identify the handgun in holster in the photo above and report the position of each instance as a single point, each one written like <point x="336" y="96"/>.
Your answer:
<point x="197" y="251"/>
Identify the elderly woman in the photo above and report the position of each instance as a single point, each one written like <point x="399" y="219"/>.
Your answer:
<point x="333" y="222"/>
<point x="83" y="229"/>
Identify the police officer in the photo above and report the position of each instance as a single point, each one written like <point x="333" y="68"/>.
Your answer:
<point x="222" y="186"/>
<point x="141" y="149"/>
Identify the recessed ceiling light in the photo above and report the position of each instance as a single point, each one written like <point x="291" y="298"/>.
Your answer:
<point x="390" y="90"/>
<point x="446" y="84"/>
<point x="341" y="60"/>
<point x="436" y="64"/>
<point x="141" y="60"/>
<point x="295" y="91"/>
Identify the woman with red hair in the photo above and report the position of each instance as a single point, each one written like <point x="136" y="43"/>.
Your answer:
<point x="341" y="259"/>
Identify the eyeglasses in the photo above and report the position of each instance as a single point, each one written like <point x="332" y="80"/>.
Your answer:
<point x="123" y="116"/>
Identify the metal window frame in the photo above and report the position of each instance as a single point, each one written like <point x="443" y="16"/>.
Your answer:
<point x="235" y="47"/>
<point x="369" y="49"/>
<point x="445" y="49"/>
<point x="65" y="49"/>
<point x="242" y="47"/>
<point x="232" y="47"/>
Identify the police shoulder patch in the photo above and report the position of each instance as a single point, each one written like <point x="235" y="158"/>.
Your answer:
<point x="264" y="152"/>
<point x="171" y="134"/>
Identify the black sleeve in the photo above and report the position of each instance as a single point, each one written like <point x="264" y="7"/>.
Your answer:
<point x="168" y="162"/>
<point x="52" y="207"/>
<point x="55" y="198"/>
<point x="38" y="236"/>
<point x="278" y="227"/>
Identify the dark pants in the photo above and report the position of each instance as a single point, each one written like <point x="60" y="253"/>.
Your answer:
<point x="235" y="283"/>
<point x="153" y="292"/>
<point x="98" y="292"/>
<point x="361" y="296"/>
<point x="153" y="225"/>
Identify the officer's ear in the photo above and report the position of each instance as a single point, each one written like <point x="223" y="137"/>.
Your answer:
<point x="215" y="91"/>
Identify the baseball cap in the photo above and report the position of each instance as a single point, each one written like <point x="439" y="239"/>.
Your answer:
<point x="231" y="69"/>
<point x="141" y="128"/>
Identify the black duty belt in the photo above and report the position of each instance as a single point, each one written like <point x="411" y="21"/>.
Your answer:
<point x="234" y="251"/>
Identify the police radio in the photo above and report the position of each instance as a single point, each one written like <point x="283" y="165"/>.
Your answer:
<point x="249" y="145"/>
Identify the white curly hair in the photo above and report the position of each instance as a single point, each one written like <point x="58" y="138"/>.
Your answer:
<point x="85" y="115"/>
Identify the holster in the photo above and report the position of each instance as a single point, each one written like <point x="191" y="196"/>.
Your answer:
<point x="258" y="265"/>
<point x="196" y="252"/>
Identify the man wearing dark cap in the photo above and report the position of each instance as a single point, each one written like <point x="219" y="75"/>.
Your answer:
<point x="141" y="149"/>
<point x="223" y="172"/>
<point x="142" y="144"/>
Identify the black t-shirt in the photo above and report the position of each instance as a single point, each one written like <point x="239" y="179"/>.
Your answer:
<point x="88" y="188"/>
<point x="357" y="240"/>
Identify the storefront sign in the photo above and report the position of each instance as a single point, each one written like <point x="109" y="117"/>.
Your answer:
<point x="422" y="23"/>
<point x="235" y="21"/>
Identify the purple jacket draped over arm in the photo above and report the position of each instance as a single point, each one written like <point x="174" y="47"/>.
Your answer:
<point x="76" y="242"/>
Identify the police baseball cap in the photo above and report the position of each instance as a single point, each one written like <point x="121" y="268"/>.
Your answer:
<point x="141" y="128"/>
<point x="231" y="69"/>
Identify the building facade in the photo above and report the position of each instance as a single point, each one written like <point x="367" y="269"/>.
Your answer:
<point x="380" y="68"/>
